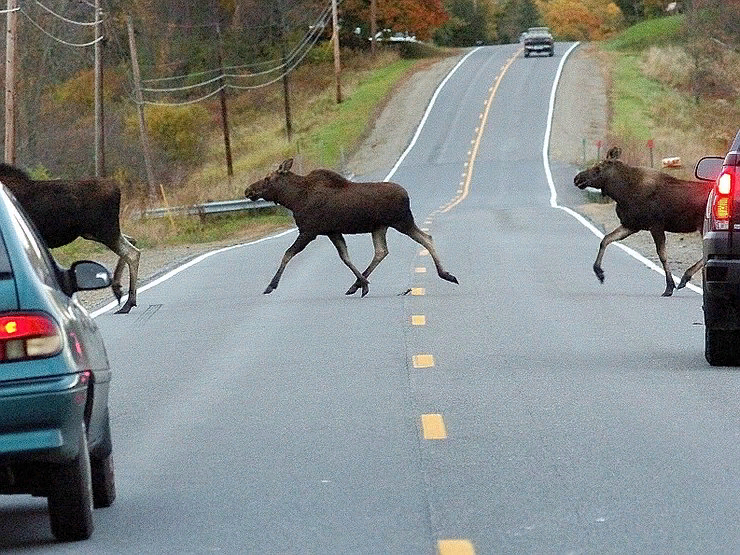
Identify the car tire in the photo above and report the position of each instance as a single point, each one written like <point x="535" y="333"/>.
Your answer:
<point x="70" y="496"/>
<point x="103" y="481"/>
<point x="552" y="53"/>
<point x="526" y="53"/>
<point x="721" y="347"/>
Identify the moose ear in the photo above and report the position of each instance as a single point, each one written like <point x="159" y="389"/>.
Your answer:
<point x="614" y="153"/>
<point x="285" y="166"/>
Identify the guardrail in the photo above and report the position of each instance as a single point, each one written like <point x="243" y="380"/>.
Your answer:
<point x="202" y="210"/>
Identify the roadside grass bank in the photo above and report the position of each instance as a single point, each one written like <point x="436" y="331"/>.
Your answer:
<point x="672" y="89"/>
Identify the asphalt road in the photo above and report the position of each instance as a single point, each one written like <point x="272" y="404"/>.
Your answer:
<point x="534" y="410"/>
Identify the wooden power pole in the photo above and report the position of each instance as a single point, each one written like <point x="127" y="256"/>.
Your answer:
<point x="10" y="95"/>
<point x="99" y="122"/>
<point x="335" y="40"/>
<point x="140" y="105"/>
<point x="224" y="109"/>
<point x="373" y="25"/>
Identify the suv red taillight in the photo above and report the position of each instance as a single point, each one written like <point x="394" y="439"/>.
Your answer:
<point x="28" y="335"/>
<point x="722" y="202"/>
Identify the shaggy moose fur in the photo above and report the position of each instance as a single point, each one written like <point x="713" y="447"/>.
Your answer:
<point x="324" y="203"/>
<point x="647" y="200"/>
<point x="65" y="210"/>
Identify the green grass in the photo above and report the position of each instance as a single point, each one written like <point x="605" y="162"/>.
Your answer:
<point x="653" y="32"/>
<point x="632" y="97"/>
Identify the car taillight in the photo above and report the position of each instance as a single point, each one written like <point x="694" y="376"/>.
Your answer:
<point x="25" y="336"/>
<point x="722" y="203"/>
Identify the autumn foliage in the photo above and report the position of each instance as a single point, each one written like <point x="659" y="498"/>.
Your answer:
<point x="420" y="17"/>
<point x="581" y="19"/>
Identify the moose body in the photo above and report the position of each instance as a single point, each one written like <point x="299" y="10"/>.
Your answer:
<point x="650" y="200"/>
<point x="325" y="203"/>
<point x="64" y="210"/>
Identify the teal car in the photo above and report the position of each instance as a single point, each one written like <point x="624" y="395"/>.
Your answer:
<point x="55" y="438"/>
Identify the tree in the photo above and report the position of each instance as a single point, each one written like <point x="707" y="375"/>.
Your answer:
<point x="581" y="19"/>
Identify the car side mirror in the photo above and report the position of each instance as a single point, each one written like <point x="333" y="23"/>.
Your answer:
<point x="88" y="275"/>
<point x="709" y="168"/>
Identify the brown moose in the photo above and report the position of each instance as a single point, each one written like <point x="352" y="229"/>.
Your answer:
<point x="650" y="200"/>
<point x="64" y="210"/>
<point x="325" y="203"/>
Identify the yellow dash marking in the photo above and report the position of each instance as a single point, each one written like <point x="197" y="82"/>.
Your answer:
<point x="423" y="252"/>
<point x="455" y="547"/>
<point x="423" y="361"/>
<point x="433" y="426"/>
<point x="418" y="320"/>
<point x="418" y="291"/>
<point x="426" y="229"/>
<point x="420" y="270"/>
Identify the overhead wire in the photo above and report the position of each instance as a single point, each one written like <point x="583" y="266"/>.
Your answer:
<point x="67" y="20"/>
<point x="57" y="39"/>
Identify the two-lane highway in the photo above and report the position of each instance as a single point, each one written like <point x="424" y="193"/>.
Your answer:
<point x="528" y="409"/>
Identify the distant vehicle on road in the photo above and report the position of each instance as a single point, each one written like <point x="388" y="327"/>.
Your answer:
<point x="55" y="438"/>
<point x="538" y="40"/>
<point x="721" y="247"/>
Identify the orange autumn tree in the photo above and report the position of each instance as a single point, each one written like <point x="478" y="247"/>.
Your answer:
<point x="581" y="19"/>
<point x="418" y="17"/>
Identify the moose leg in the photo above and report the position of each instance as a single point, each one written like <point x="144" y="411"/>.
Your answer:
<point x="659" y="238"/>
<point x="618" y="234"/>
<point x="425" y="240"/>
<point x="341" y="246"/>
<point x="129" y="255"/>
<point x="698" y="265"/>
<point x="381" y="251"/>
<point x="298" y="245"/>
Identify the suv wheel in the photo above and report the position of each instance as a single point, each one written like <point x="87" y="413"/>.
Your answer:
<point x="721" y="347"/>
<point x="71" y="496"/>
<point x="103" y="481"/>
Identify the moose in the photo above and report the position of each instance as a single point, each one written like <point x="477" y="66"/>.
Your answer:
<point x="649" y="200"/>
<point x="325" y="203"/>
<point x="63" y="210"/>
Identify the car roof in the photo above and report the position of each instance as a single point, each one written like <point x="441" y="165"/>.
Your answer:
<point x="736" y="143"/>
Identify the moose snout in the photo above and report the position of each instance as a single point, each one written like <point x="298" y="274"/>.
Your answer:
<point x="580" y="181"/>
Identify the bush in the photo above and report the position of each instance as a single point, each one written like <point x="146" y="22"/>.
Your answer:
<point x="177" y="131"/>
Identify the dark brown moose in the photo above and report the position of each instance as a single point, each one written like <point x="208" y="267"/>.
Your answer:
<point x="650" y="200"/>
<point x="325" y="203"/>
<point x="64" y="210"/>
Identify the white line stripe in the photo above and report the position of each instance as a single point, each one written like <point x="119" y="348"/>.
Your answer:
<point x="426" y="113"/>
<point x="193" y="262"/>
<point x="554" y="194"/>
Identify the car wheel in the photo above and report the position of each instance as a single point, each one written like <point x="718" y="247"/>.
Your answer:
<point x="526" y="54"/>
<point x="552" y="52"/>
<point x="720" y="347"/>
<point x="103" y="481"/>
<point x="71" y="496"/>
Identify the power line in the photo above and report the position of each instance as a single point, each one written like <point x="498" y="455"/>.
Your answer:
<point x="57" y="39"/>
<point x="73" y="22"/>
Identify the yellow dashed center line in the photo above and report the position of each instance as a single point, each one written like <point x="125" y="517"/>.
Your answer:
<point x="468" y="175"/>
<point x="455" y="547"/>
<point x="433" y="426"/>
<point x="420" y="270"/>
<point x="418" y="291"/>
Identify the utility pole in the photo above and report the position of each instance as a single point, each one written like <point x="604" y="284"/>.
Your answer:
<point x="140" y="105"/>
<point x="286" y="84"/>
<point x="224" y="111"/>
<point x="99" y="122"/>
<point x="373" y="25"/>
<point x="10" y="96"/>
<point x="335" y="39"/>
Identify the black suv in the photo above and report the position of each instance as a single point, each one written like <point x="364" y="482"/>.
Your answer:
<point x="721" y="247"/>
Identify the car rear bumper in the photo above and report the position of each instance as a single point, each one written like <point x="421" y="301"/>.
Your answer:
<point x="40" y="419"/>
<point x="538" y="47"/>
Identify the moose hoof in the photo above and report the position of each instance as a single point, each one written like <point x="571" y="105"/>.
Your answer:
<point x="683" y="282"/>
<point x="352" y="290"/>
<point x="599" y="273"/>
<point x="126" y="308"/>
<point x="449" y="277"/>
<point x="365" y="289"/>
<point x="269" y="290"/>
<point x="667" y="293"/>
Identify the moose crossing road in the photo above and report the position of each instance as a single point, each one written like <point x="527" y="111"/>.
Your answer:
<point x="529" y="409"/>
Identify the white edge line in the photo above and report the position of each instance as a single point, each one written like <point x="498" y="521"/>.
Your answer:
<point x="203" y="256"/>
<point x="185" y="266"/>
<point x="427" y="112"/>
<point x="554" y="194"/>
